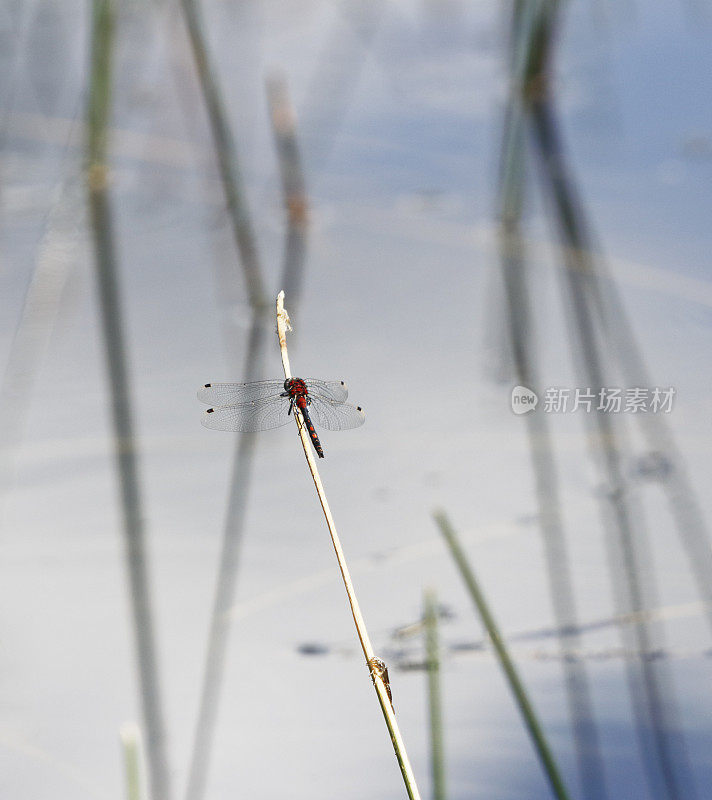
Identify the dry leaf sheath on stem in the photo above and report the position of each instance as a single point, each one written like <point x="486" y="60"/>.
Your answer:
<point x="376" y="667"/>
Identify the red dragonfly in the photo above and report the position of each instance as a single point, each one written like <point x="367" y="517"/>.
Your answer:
<point x="261" y="405"/>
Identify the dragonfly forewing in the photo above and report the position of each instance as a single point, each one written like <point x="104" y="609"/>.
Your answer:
<point x="246" y="417"/>
<point x="230" y="394"/>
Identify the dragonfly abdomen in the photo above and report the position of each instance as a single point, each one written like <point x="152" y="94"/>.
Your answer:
<point x="302" y="404"/>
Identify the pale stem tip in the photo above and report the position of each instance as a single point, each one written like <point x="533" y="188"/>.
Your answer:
<point x="282" y="311"/>
<point x="129" y="733"/>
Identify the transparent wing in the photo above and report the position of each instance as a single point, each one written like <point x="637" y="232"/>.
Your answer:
<point x="335" y="416"/>
<point x="231" y="394"/>
<point x="329" y="390"/>
<point x="254" y="416"/>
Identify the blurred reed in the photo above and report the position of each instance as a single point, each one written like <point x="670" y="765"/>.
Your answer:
<point x="227" y="159"/>
<point x="672" y="473"/>
<point x="526" y="709"/>
<point x="618" y="341"/>
<point x="296" y="202"/>
<point x="98" y="115"/>
<point x="247" y="247"/>
<point x="252" y="273"/>
<point x="432" y="660"/>
<point x="376" y="667"/>
<point x="335" y="79"/>
<point x="628" y="550"/>
<point x="57" y="252"/>
<point x="216" y="651"/>
<point x="521" y="336"/>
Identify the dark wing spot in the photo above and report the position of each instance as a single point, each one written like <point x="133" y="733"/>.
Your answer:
<point x="358" y="408"/>
<point x="207" y="385"/>
<point x="210" y="411"/>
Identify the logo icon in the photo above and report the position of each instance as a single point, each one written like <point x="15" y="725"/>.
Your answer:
<point x="523" y="400"/>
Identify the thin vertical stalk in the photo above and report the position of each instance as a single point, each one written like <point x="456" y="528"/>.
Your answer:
<point x="296" y="203"/>
<point x="245" y="241"/>
<point x="237" y="206"/>
<point x="218" y="637"/>
<point x="377" y="669"/>
<point x="623" y="544"/>
<point x="682" y="498"/>
<point x="226" y="153"/>
<point x="98" y="113"/>
<point x="526" y="709"/>
<point x="432" y="660"/>
<point x="131" y="746"/>
<point x="56" y="254"/>
<point x="649" y="686"/>
<point x="625" y="540"/>
<point x="336" y="75"/>
<point x="521" y="335"/>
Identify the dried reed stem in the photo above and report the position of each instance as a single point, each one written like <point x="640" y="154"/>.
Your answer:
<point x="375" y="665"/>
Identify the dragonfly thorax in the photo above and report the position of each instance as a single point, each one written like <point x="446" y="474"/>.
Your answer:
<point x="295" y="387"/>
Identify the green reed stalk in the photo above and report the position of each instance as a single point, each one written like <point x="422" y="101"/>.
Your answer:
<point x="131" y="746"/>
<point x="432" y="659"/>
<point x="524" y="704"/>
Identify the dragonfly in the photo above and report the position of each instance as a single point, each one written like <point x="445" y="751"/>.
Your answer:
<point x="261" y="405"/>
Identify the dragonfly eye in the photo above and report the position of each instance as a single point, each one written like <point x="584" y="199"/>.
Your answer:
<point x="286" y="384"/>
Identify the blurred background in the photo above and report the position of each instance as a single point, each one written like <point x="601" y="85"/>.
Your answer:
<point x="458" y="198"/>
